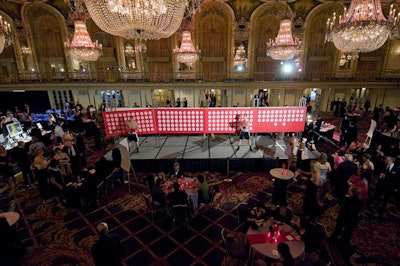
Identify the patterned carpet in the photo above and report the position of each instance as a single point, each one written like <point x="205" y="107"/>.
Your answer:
<point x="54" y="236"/>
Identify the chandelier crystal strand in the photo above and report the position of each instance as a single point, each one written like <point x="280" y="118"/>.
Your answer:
<point x="129" y="50"/>
<point x="187" y="53"/>
<point x="284" y="46"/>
<point x="140" y="19"/>
<point x="5" y="34"/>
<point x="240" y="56"/>
<point x="363" y="28"/>
<point x="82" y="48"/>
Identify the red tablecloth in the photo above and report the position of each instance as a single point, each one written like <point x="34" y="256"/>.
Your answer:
<point x="268" y="238"/>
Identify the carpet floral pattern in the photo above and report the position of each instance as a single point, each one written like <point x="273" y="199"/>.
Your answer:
<point x="54" y="236"/>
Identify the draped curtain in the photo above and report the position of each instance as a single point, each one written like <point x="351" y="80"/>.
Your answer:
<point x="321" y="55"/>
<point x="266" y="68"/>
<point x="214" y="45"/>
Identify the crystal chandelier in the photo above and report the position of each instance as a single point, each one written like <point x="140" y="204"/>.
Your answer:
<point x="82" y="48"/>
<point x="5" y="34"/>
<point x="129" y="50"/>
<point x="284" y="46"/>
<point x="240" y="57"/>
<point x="140" y="19"/>
<point x="363" y="28"/>
<point x="187" y="53"/>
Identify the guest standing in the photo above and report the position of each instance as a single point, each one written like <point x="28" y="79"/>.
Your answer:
<point x="6" y="168"/>
<point x="347" y="218"/>
<point x="310" y="205"/>
<point x="41" y="164"/>
<point x="132" y="135"/>
<point x="107" y="251"/>
<point x="21" y="156"/>
<point x="341" y="176"/>
<point x="388" y="183"/>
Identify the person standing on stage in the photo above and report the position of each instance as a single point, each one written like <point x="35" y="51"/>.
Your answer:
<point x="244" y="132"/>
<point x="132" y="135"/>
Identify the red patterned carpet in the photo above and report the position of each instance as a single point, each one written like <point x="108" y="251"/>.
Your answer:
<point x="54" y="236"/>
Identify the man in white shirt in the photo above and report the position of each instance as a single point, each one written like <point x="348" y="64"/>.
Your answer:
<point x="58" y="133"/>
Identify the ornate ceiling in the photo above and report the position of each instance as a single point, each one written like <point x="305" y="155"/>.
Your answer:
<point x="219" y="27"/>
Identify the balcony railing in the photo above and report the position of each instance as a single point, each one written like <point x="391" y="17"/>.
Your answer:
<point x="135" y="76"/>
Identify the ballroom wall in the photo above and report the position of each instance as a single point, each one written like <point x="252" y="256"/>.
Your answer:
<point x="218" y="28"/>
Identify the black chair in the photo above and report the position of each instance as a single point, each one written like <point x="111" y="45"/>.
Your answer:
<point x="112" y="179"/>
<point x="318" y="236"/>
<point x="151" y="207"/>
<point x="101" y="191"/>
<point x="235" y="249"/>
<point x="242" y="212"/>
<point x="211" y="194"/>
<point x="180" y="213"/>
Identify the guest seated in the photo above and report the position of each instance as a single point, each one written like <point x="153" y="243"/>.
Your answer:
<point x="204" y="196"/>
<point x="177" y="173"/>
<point x="304" y="229"/>
<point x="286" y="258"/>
<point x="149" y="181"/>
<point x="283" y="214"/>
<point x="160" y="176"/>
<point x="257" y="215"/>
<point x="158" y="194"/>
<point x="177" y="196"/>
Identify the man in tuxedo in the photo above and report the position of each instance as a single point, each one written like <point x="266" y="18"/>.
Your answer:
<point x="342" y="174"/>
<point x="107" y="250"/>
<point x="347" y="218"/>
<point x="388" y="185"/>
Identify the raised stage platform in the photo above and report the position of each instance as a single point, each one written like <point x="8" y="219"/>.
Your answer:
<point x="197" y="154"/>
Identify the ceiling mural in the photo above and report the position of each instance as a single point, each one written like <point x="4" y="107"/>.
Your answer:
<point x="244" y="8"/>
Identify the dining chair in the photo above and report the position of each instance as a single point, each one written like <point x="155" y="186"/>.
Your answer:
<point x="242" y="212"/>
<point x="101" y="191"/>
<point x="209" y="202"/>
<point x="180" y="213"/>
<point x="235" y="249"/>
<point x="111" y="179"/>
<point x="319" y="235"/>
<point x="151" y="207"/>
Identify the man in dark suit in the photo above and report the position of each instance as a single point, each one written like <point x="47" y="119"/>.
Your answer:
<point x="347" y="218"/>
<point x="177" y="171"/>
<point x="388" y="184"/>
<point x="318" y="123"/>
<point x="341" y="176"/>
<point x="107" y="251"/>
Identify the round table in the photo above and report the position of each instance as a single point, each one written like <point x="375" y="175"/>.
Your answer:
<point x="11" y="217"/>
<point x="282" y="177"/>
<point x="261" y="241"/>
